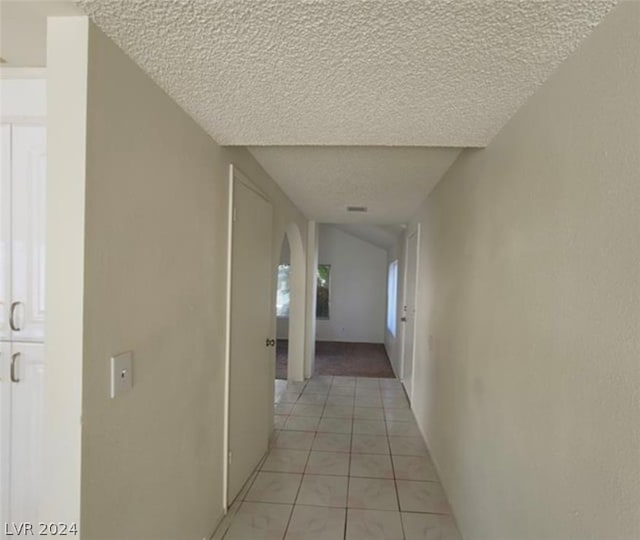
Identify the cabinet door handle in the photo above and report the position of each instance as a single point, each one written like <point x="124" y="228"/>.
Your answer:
<point x="12" y="317"/>
<point x="14" y="359"/>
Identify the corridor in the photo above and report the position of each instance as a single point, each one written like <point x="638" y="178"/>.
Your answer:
<point x="346" y="461"/>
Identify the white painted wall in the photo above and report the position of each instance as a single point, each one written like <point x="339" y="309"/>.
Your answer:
<point x="358" y="288"/>
<point x="529" y="285"/>
<point x="297" y="304"/>
<point x="310" y="315"/>
<point x="64" y="345"/>
<point x="151" y="279"/>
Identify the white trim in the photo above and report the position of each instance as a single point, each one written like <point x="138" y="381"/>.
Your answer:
<point x="237" y="174"/>
<point x="310" y="298"/>
<point x="24" y="120"/>
<point x="8" y="72"/>
<point x="227" y="343"/>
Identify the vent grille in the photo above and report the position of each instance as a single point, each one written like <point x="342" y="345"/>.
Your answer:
<point x="356" y="208"/>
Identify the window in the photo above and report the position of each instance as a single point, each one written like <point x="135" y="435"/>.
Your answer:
<point x="392" y="291"/>
<point x="283" y="291"/>
<point x="322" y="291"/>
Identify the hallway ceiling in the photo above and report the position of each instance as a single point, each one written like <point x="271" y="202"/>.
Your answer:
<point x="384" y="236"/>
<point x="348" y="72"/>
<point x="329" y="94"/>
<point x="343" y="102"/>
<point x="322" y="180"/>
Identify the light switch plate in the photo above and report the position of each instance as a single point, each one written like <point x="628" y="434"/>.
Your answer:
<point x="121" y="374"/>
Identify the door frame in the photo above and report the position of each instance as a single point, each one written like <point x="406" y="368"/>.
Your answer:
<point x="410" y="232"/>
<point x="235" y="175"/>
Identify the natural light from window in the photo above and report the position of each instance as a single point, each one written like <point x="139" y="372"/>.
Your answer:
<point x="283" y="292"/>
<point x="392" y="290"/>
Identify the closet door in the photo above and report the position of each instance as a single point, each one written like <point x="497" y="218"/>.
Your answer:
<point x="5" y="230"/>
<point x="5" y="427"/>
<point x="26" y="373"/>
<point x="250" y="378"/>
<point x="28" y="196"/>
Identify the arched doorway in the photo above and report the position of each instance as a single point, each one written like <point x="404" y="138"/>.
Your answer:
<point x="290" y="307"/>
<point x="283" y="298"/>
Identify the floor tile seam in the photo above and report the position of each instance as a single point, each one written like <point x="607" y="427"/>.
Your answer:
<point x="297" y="492"/>
<point x="429" y="513"/>
<point x="393" y="469"/>
<point x="346" y="516"/>
<point x="254" y="474"/>
<point x="270" y="502"/>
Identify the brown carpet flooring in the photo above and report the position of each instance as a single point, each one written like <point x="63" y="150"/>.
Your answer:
<point x="340" y="358"/>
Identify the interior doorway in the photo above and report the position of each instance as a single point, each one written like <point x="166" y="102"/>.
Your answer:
<point x="290" y="307"/>
<point x="249" y="339"/>
<point x="351" y="337"/>
<point x="283" y="302"/>
<point x="409" y="310"/>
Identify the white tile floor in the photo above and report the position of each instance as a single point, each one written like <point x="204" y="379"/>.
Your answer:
<point x="346" y="462"/>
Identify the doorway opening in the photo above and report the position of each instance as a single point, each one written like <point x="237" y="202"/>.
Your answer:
<point x="409" y="309"/>
<point x="283" y="301"/>
<point x="352" y="296"/>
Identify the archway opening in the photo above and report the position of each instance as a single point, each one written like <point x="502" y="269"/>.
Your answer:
<point x="283" y="309"/>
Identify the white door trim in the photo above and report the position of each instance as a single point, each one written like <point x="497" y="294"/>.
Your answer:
<point x="227" y="342"/>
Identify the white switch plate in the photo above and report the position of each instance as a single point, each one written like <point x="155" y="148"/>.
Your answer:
<point x="121" y="374"/>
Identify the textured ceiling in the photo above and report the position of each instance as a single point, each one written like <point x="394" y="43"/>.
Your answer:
<point x="322" y="181"/>
<point x="349" y="72"/>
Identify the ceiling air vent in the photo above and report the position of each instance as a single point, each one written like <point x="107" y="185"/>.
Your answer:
<point x="356" y="208"/>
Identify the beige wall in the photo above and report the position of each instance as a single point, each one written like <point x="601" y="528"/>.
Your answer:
<point x="154" y="283"/>
<point x="530" y="286"/>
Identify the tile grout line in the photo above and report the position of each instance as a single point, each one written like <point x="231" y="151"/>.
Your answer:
<point x="293" y="506"/>
<point x="384" y="407"/>
<point x="346" y="502"/>
<point x="393" y="469"/>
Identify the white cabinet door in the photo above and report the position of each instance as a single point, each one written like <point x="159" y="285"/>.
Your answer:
<point x="5" y="426"/>
<point x="28" y="195"/>
<point x="5" y="229"/>
<point x="26" y="431"/>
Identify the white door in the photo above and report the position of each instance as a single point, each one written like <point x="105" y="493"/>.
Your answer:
<point x="409" y="312"/>
<point x="26" y="431"/>
<point x="5" y="230"/>
<point x="21" y="450"/>
<point x="28" y="195"/>
<point x="5" y="426"/>
<point x="250" y="384"/>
